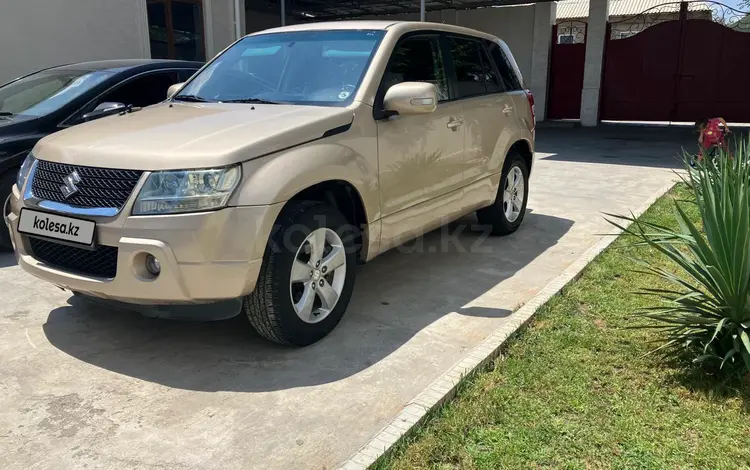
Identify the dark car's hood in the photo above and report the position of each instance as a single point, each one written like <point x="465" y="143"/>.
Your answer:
<point x="17" y="125"/>
<point x="17" y="135"/>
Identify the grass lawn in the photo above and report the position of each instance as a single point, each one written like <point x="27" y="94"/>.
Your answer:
<point x="575" y="389"/>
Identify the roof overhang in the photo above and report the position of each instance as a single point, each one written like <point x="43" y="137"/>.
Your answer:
<point x="322" y="10"/>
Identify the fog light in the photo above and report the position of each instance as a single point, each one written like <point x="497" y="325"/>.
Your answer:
<point x="153" y="265"/>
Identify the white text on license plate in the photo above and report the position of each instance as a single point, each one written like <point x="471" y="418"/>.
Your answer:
<point x="56" y="226"/>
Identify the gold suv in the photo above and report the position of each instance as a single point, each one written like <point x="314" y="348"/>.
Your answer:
<point x="288" y="158"/>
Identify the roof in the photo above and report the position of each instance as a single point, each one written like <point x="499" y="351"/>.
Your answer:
<point x="321" y="10"/>
<point x="125" y="64"/>
<point x="330" y="25"/>
<point x="399" y="26"/>
<point x="580" y="8"/>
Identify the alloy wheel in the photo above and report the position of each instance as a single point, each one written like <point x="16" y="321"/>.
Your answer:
<point x="318" y="275"/>
<point x="514" y="192"/>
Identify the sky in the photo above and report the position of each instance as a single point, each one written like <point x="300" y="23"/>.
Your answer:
<point x="733" y="4"/>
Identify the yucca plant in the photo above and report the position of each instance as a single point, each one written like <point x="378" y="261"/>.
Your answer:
<point x="706" y="311"/>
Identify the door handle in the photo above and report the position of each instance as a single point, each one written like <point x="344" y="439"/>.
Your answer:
<point x="507" y="110"/>
<point x="454" y="124"/>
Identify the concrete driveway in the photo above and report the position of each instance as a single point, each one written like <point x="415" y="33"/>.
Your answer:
<point x="86" y="387"/>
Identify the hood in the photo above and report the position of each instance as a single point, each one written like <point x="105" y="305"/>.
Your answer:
<point x="190" y="135"/>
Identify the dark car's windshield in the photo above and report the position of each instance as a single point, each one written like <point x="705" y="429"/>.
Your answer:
<point x="47" y="91"/>
<point x="304" y="67"/>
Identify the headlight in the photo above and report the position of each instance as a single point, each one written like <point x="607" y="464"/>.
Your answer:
<point x="172" y="192"/>
<point x="23" y="173"/>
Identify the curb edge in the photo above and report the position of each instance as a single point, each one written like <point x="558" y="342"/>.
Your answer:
<point x="444" y="388"/>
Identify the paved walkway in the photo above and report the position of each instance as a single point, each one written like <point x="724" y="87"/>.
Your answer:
<point x="84" y="387"/>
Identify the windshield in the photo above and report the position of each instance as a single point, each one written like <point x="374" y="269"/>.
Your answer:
<point x="304" y="67"/>
<point x="47" y="91"/>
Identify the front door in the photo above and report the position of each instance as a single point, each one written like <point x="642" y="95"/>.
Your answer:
<point x="175" y="29"/>
<point x="421" y="157"/>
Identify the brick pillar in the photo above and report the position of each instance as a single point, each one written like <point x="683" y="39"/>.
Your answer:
<point x="544" y="18"/>
<point x="592" y="73"/>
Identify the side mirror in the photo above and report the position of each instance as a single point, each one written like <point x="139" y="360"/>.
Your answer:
<point x="174" y="89"/>
<point x="106" y="108"/>
<point x="411" y="98"/>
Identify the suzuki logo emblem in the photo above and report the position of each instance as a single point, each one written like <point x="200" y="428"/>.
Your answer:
<point x="70" y="188"/>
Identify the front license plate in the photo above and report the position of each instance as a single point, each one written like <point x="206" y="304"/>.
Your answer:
<point x="56" y="226"/>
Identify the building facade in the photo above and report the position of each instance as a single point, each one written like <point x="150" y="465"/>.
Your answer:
<point x="35" y="34"/>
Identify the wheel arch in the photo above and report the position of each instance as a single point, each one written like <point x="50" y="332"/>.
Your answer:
<point x="523" y="148"/>
<point x="345" y="197"/>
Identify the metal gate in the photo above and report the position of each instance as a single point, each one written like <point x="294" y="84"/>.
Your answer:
<point x="568" y="56"/>
<point x="678" y="62"/>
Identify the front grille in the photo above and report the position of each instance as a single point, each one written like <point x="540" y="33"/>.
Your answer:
<point x="99" y="187"/>
<point x="100" y="262"/>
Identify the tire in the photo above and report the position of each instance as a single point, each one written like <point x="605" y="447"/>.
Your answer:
<point x="7" y="180"/>
<point x="495" y="215"/>
<point x="271" y="306"/>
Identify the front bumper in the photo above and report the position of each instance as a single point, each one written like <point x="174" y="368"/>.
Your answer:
<point x="204" y="257"/>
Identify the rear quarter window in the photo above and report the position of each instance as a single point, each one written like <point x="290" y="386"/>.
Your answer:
<point x="507" y="74"/>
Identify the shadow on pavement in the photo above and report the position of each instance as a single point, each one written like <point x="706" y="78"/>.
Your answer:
<point x="397" y="295"/>
<point x="618" y="145"/>
<point x="7" y="258"/>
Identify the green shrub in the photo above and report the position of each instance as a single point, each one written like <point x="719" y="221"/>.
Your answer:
<point x="706" y="312"/>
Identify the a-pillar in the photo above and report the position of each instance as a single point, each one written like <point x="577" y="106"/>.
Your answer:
<point x="544" y="18"/>
<point x="596" y="31"/>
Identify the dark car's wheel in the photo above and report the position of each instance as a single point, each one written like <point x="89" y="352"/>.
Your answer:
<point x="7" y="180"/>
<point x="506" y="214"/>
<point x="307" y="277"/>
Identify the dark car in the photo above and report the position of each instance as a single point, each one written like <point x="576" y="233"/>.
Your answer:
<point x="36" y="105"/>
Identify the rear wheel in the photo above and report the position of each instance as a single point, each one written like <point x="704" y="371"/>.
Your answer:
<point x="307" y="277"/>
<point x="506" y="214"/>
<point x="7" y="180"/>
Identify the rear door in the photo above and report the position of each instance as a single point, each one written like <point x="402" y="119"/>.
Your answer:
<point x="512" y="83"/>
<point x="487" y="108"/>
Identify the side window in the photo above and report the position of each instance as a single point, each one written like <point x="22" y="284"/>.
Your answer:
<point x="138" y="92"/>
<point x="492" y="81"/>
<point x="508" y="76"/>
<point x="467" y="61"/>
<point x="142" y="91"/>
<point x="417" y="59"/>
<point x="185" y="74"/>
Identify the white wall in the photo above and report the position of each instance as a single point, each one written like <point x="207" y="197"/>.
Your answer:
<point x="260" y="20"/>
<point x="219" y="25"/>
<point x="41" y="33"/>
<point x="514" y="25"/>
<point x="433" y="16"/>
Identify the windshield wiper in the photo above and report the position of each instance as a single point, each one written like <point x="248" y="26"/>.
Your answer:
<point x="253" y="101"/>
<point x="6" y="113"/>
<point x="191" y="98"/>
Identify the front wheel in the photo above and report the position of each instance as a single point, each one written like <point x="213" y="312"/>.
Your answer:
<point x="307" y="277"/>
<point x="505" y="215"/>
